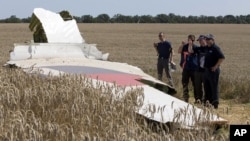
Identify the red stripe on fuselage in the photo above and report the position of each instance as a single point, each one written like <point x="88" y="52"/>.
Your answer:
<point x="119" y="79"/>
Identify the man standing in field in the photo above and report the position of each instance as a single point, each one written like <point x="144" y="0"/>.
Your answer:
<point x="199" y="77"/>
<point x="165" y="56"/>
<point x="187" y="64"/>
<point x="213" y="59"/>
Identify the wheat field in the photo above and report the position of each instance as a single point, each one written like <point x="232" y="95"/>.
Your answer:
<point x="68" y="108"/>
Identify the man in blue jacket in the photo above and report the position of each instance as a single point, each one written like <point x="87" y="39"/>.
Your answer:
<point x="188" y="65"/>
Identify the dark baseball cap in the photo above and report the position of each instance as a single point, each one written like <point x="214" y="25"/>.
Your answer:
<point x="201" y="37"/>
<point x="209" y="36"/>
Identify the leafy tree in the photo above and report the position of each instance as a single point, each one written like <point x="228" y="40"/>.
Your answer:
<point x="229" y="19"/>
<point x="203" y="19"/>
<point x="78" y="19"/>
<point x="219" y="19"/>
<point x="172" y="18"/>
<point x="242" y="19"/>
<point x="103" y="18"/>
<point x="248" y="18"/>
<point x="162" y="18"/>
<point x="26" y="20"/>
<point x="136" y="19"/>
<point x="147" y="19"/>
<point x="87" y="19"/>
<point x="211" y="19"/>
<point x="119" y="18"/>
<point x="192" y="19"/>
<point x="13" y="19"/>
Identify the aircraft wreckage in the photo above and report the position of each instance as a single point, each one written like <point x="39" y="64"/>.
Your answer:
<point x="58" y="47"/>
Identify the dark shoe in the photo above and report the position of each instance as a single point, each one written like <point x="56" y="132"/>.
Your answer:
<point x="216" y="106"/>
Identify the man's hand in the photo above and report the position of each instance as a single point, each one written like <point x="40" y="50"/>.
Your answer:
<point x="217" y="65"/>
<point x="183" y="42"/>
<point x="214" y="68"/>
<point x="155" y="45"/>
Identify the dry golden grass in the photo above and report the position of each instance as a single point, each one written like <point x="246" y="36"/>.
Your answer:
<point x="66" y="108"/>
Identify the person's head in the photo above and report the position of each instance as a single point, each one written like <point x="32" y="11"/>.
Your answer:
<point x="202" y="40"/>
<point x="191" y="39"/>
<point x="209" y="39"/>
<point x="161" y="36"/>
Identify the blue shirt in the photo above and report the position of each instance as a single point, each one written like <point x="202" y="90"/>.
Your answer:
<point x="213" y="54"/>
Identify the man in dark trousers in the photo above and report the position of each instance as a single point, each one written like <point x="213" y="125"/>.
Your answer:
<point x="187" y="64"/>
<point x="213" y="59"/>
<point x="165" y="56"/>
<point x="199" y="74"/>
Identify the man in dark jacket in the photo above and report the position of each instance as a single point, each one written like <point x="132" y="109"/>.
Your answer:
<point x="165" y="56"/>
<point x="213" y="59"/>
<point x="199" y="77"/>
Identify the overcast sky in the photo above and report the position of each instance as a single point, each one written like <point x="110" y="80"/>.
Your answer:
<point x="24" y="8"/>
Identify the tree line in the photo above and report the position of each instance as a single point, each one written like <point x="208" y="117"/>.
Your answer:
<point x="160" y="18"/>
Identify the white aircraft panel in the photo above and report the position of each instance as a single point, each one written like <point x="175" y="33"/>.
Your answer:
<point x="57" y="30"/>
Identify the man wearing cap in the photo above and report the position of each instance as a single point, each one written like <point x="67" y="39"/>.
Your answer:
<point x="187" y="65"/>
<point x="213" y="59"/>
<point x="165" y="56"/>
<point x="199" y="78"/>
